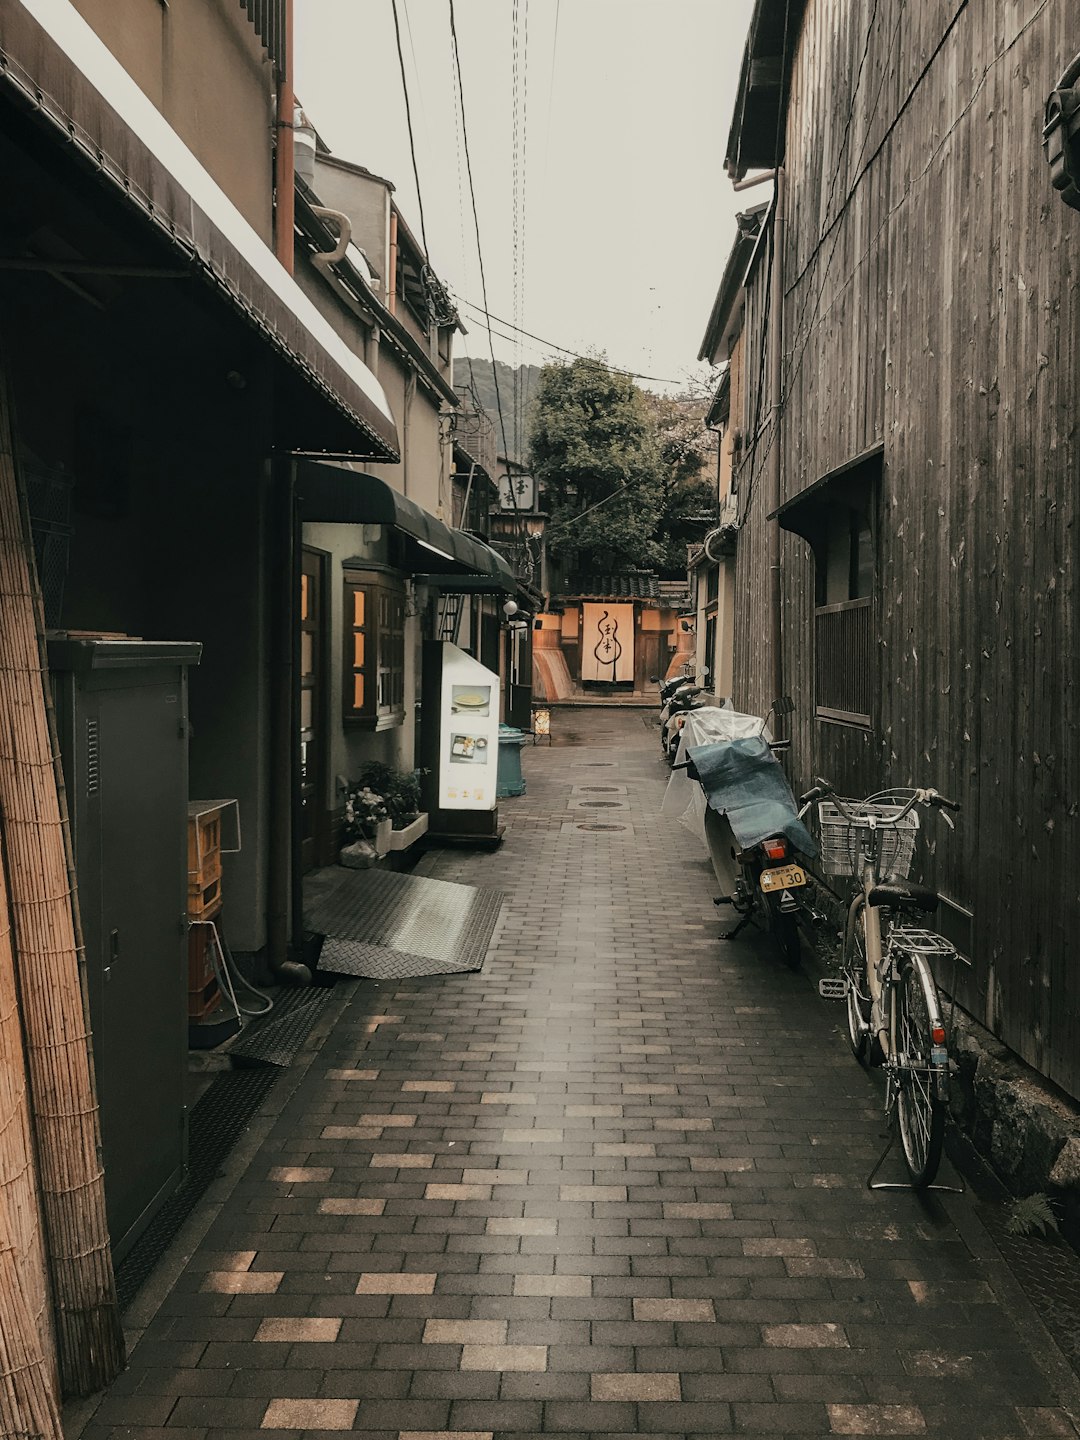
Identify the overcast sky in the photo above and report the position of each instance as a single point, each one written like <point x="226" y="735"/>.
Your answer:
<point x="624" y="213"/>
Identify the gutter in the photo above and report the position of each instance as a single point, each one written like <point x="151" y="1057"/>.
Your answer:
<point x="314" y="228"/>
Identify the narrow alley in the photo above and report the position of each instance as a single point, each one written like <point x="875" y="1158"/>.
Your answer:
<point x="613" y="1183"/>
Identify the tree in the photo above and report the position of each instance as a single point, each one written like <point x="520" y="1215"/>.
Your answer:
<point x="593" y="448"/>
<point x="688" y="457"/>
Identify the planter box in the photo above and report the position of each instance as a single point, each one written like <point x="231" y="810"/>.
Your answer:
<point x="402" y="839"/>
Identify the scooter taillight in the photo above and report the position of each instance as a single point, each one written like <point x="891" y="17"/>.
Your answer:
<point x="775" y="849"/>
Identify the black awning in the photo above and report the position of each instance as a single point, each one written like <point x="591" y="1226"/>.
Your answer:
<point x="60" y="71"/>
<point x="331" y="494"/>
<point x="807" y="513"/>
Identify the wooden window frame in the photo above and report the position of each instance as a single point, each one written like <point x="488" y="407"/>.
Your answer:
<point x="383" y="667"/>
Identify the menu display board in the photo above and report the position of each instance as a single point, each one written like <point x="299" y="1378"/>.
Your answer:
<point x="468" y="733"/>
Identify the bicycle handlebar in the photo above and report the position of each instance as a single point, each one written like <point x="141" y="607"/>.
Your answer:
<point x="917" y="796"/>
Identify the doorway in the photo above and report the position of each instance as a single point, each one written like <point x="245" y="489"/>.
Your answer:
<point x="313" y="646"/>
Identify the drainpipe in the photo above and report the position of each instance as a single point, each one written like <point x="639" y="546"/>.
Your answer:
<point x="284" y="724"/>
<point x="285" y="162"/>
<point x="776" y="336"/>
<point x="391" y="283"/>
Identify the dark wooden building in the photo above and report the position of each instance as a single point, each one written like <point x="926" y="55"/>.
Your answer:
<point x="911" y="427"/>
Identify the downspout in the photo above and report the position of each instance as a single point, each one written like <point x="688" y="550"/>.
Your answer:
<point x="775" y="457"/>
<point x="468" y="494"/>
<point x="285" y="163"/>
<point x="776" y="338"/>
<point x="410" y="396"/>
<point x="284" y="731"/>
<point x="391" y="282"/>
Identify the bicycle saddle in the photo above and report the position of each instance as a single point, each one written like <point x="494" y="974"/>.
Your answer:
<point x="903" y="894"/>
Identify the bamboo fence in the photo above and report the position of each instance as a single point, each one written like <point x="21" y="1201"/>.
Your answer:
<point x="65" y="1120"/>
<point x="28" y="1380"/>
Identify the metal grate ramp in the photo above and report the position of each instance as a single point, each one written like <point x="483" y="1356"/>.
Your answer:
<point x="396" y="927"/>
<point x="279" y="1038"/>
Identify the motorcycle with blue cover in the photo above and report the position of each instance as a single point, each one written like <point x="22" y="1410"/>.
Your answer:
<point x="755" y="835"/>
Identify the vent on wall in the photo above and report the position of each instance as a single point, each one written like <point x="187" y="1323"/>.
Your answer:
<point x="93" y="762"/>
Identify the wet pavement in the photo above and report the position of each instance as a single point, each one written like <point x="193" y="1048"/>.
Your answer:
<point x="612" y="1184"/>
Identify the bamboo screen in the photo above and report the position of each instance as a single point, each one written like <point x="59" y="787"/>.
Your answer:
<point x="47" y="963"/>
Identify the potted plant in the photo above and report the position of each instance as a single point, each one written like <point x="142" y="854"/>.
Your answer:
<point x="366" y="817"/>
<point x="391" y="799"/>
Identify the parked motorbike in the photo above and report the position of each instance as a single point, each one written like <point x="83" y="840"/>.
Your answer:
<point x="755" y="835"/>
<point x="673" y="717"/>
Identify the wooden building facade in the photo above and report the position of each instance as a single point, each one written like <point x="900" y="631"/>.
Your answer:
<point x="927" y="427"/>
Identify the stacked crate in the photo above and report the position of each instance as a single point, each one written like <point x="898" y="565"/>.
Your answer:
<point x="204" y="903"/>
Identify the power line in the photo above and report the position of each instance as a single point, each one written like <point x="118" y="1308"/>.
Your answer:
<point x="562" y="349"/>
<point x="408" y="117"/>
<point x="476" y="224"/>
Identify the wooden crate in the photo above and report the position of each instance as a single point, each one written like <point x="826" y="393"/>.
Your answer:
<point x="204" y="901"/>
<point x="204" y="847"/>
<point x="202" y="1002"/>
<point x="202" y="985"/>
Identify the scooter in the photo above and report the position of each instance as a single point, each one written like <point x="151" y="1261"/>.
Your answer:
<point x="673" y="716"/>
<point x="755" y="835"/>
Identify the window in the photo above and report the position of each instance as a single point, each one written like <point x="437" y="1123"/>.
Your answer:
<point x="374" y="662"/>
<point x="843" y="616"/>
<point x="837" y="515"/>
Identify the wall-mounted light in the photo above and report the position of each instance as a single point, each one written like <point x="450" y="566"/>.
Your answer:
<point x="510" y="609"/>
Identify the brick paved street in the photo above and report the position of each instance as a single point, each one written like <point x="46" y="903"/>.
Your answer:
<point x="611" y="1185"/>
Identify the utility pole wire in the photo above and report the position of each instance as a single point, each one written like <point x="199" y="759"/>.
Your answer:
<point x="408" y="117"/>
<point x="479" y="249"/>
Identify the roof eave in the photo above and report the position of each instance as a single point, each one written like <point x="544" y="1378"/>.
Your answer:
<point x="756" y="137"/>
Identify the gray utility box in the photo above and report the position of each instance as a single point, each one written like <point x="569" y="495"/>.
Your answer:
<point x="123" y="719"/>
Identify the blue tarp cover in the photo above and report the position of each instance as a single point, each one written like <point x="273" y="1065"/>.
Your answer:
<point x="743" y="780"/>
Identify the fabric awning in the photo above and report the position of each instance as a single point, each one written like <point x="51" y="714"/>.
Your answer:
<point x="331" y="494"/>
<point x="62" y="71"/>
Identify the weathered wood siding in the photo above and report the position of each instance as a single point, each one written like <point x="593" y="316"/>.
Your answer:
<point x="932" y="283"/>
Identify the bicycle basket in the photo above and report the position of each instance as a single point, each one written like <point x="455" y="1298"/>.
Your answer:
<point x="845" y="841"/>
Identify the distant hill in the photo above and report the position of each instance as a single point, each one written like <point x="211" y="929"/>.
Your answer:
<point x="516" y="389"/>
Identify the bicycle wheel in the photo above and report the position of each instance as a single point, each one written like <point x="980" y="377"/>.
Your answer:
<point x="920" y="1105"/>
<point x="785" y="932"/>
<point x="854" y="967"/>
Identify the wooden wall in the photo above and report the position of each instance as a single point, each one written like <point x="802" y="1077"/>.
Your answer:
<point x="932" y="304"/>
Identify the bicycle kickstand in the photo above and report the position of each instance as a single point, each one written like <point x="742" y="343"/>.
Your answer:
<point x="872" y="1184"/>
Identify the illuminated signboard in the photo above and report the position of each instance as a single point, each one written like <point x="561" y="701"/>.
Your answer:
<point x="468" y="733"/>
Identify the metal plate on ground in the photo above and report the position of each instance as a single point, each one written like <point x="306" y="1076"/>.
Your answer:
<point x="217" y="1121"/>
<point x="605" y="829"/>
<point x="278" y="1038"/>
<point x="396" y="927"/>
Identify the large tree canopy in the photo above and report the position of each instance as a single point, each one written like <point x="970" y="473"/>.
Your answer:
<point x="591" y="444"/>
<point x="615" y="466"/>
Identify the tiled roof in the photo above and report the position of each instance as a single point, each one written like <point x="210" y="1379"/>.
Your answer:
<point x="632" y="585"/>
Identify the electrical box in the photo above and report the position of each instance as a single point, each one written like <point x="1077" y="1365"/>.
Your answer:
<point x="123" y="721"/>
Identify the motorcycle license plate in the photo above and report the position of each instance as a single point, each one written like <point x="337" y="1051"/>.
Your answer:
<point x="784" y="877"/>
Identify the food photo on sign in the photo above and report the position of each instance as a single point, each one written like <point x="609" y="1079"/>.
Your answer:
<point x="470" y="700"/>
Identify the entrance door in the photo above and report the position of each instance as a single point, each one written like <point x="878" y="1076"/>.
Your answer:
<point x="313" y="618"/>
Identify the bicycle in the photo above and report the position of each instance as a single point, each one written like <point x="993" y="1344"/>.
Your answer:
<point x="887" y="980"/>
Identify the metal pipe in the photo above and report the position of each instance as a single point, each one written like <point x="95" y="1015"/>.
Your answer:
<point x="323" y="259"/>
<point x="776" y="336"/>
<point x="285" y="157"/>
<point x="391" y="283"/>
<point x="468" y="493"/>
<point x="284" y="732"/>
<point x="749" y="183"/>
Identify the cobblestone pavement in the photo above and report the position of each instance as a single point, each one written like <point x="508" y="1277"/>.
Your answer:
<point x="611" y="1185"/>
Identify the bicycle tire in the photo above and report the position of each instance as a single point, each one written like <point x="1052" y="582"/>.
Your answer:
<point x="853" y="964"/>
<point x="920" y="1104"/>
